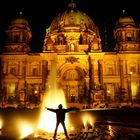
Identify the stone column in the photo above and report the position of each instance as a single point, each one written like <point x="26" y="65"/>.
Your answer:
<point x="138" y="67"/>
<point x="44" y="73"/>
<point x="90" y="72"/>
<point x="24" y="69"/>
<point x="96" y="72"/>
<point x="92" y="66"/>
<point x="121" y="74"/>
<point x="101" y="72"/>
<point x="24" y="63"/>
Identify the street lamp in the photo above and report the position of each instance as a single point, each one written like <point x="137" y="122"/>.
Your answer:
<point x="108" y="91"/>
<point x="36" y="91"/>
<point x="108" y="95"/>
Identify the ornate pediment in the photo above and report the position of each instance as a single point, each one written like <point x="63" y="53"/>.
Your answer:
<point x="72" y="59"/>
<point x="10" y="77"/>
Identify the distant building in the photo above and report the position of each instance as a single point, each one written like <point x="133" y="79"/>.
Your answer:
<point x="84" y="71"/>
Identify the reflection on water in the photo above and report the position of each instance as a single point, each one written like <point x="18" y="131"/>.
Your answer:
<point x="118" y="132"/>
<point x="110" y="130"/>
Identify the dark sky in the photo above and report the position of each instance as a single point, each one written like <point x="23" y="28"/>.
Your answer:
<point x="40" y="13"/>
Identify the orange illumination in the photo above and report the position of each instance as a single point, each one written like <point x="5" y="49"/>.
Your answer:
<point x="131" y="72"/>
<point x="108" y="91"/>
<point x="35" y="91"/>
<point x="52" y="98"/>
<point x="110" y="130"/>
<point x="48" y="119"/>
<point x="88" y="119"/>
<point x="1" y="123"/>
<point x="25" y="129"/>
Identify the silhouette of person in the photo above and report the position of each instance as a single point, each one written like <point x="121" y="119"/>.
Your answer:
<point x="60" y="115"/>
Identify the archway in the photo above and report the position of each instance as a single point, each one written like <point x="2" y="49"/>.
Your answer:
<point x="73" y="83"/>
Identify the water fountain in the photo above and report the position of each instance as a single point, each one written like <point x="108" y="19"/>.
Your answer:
<point x="52" y="98"/>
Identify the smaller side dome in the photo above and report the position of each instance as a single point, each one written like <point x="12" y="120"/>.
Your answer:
<point x="20" y="21"/>
<point x="125" y="20"/>
<point x="18" y="36"/>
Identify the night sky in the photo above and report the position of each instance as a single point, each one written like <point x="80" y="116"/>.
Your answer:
<point x="40" y="13"/>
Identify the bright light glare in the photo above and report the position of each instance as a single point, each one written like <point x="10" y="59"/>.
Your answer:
<point x="48" y="119"/>
<point x="25" y="129"/>
<point x="88" y="119"/>
<point x="1" y="123"/>
<point x="72" y="128"/>
<point x="110" y="130"/>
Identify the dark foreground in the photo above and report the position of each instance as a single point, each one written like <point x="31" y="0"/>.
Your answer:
<point x="110" y="124"/>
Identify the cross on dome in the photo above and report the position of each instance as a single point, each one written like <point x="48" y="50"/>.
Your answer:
<point x="72" y="4"/>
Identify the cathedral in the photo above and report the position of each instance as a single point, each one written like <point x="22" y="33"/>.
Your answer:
<point x="85" y="72"/>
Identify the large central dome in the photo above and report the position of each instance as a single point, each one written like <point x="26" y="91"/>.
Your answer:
<point x="74" y="31"/>
<point x="72" y="18"/>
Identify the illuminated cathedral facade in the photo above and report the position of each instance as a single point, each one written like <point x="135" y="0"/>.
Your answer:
<point x="85" y="72"/>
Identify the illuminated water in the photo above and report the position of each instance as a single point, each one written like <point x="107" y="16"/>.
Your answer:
<point x="52" y="98"/>
<point x="116" y="127"/>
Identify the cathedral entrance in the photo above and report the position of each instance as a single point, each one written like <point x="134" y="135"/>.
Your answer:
<point x="73" y="83"/>
<point x="73" y="91"/>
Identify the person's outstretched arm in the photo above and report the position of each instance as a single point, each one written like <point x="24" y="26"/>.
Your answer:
<point x="50" y="109"/>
